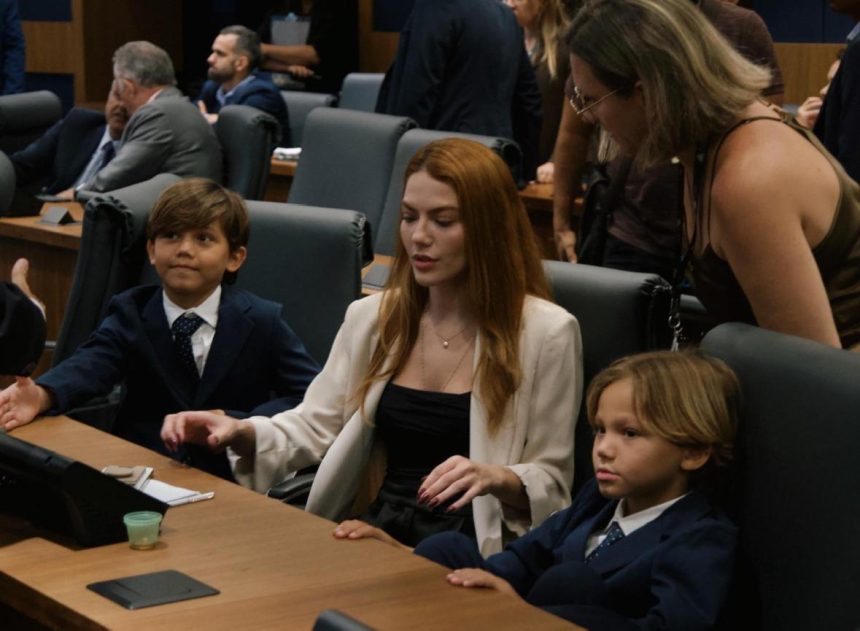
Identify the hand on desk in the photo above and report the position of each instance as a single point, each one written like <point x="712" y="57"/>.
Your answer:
<point x="300" y="72"/>
<point x="21" y="402"/>
<point x="357" y="529"/>
<point x="212" y="429"/>
<point x="473" y="577"/>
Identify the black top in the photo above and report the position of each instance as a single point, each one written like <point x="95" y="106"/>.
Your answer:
<point x="421" y="430"/>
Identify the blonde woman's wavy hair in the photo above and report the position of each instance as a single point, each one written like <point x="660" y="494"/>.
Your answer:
<point x="694" y="83"/>
<point x="502" y="267"/>
<point x="552" y="26"/>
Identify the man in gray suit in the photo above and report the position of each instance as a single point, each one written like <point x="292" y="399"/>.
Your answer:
<point x="165" y="132"/>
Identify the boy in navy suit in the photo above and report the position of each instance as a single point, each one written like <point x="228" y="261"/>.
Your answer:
<point x="641" y="547"/>
<point x="189" y="344"/>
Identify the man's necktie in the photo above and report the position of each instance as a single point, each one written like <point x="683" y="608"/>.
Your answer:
<point x="108" y="152"/>
<point x="615" y="533"/>
<point x="183" y="328"/>
<point x="105" y="154"/>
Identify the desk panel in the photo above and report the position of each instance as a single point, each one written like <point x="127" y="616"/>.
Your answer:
<point x="277" y="567"/>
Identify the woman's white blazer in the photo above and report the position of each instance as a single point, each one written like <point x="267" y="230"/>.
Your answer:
<point x="535" y="439"/>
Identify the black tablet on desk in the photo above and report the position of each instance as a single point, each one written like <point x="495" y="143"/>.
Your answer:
<point x="148" y="590"/>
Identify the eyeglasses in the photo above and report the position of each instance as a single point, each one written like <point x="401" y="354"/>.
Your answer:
<point x="581" y="104"/>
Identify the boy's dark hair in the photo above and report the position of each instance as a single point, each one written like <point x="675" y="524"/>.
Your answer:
<point x="688" y="398"/>
<point x="195" y="203"/>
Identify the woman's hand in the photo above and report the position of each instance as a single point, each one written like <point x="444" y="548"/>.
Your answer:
<point x="808" y="111"/>
<point x="216" y="431"/>
<point x="473" y="577"/>
<point x="459" y="476"/>
<point x="546" y="173"/>
<point x="565" y="244"/>
<point x="357" y="529"/>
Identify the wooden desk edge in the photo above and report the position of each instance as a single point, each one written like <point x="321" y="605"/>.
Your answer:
<point x="30" y="229"/>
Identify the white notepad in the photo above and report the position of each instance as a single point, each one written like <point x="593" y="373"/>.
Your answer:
<point x="174" y="495"/>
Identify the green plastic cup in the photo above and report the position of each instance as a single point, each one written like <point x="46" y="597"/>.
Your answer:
<point x="143" y="527"/>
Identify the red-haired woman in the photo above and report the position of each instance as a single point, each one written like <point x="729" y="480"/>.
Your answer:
<point x="461" y="373"/>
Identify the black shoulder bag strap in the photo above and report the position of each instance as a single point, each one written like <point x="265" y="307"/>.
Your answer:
<point x="595" y="219"/>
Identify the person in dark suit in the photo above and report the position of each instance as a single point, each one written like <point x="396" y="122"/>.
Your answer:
<point x="11" y="48"/>
<point x="461" y="66"/>
<point x="232" y="80"/>
<point x="188" y="344"/>
<point x="72" y="150"/>
<point x="22" y="324"/>
<point x="165" y="132"/>
<point x="310" y="45"/>
<point x="642" y="546"/>
<point x="838" y="124"/>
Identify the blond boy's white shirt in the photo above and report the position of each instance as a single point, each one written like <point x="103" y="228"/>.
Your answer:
<point x="535" y="439"/>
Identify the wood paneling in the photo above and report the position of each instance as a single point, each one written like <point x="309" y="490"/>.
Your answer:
<point x="804" y="68"/>
<point x="51" y="47"/>
<point x="107" y="24"/>
<point x="84" y="47"/>
<point x="376" y="49"/>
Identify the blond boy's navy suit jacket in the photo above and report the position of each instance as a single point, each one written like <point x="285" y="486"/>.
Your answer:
<point x="672" y="573"/>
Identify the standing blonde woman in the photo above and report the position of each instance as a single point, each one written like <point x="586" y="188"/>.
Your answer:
<point x="461" y="373"/>
<point x="544" y="25"/>
<point x="772" y="221"/>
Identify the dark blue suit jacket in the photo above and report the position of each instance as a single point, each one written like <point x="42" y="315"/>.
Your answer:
<point x="672" y="573"/>
<point x="461" y="66"/>
<point x="59" y="157"/>
<point x="259" y="92"/>
<point x="256" y="365"/>
<point x="838" y="124"/>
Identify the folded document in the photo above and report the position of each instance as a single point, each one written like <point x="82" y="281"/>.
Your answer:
<point x="141" y="478"/>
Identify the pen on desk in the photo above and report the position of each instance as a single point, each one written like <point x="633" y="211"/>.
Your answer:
<point x="195" y="498"/>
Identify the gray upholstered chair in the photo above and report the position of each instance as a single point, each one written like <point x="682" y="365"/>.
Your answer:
<point x="247" y="136"/>
<point x="619" y="313"/>
<point x="796" y="477"/>
<point x="360" y="91"/>
<point x="299" y="105"/>
<point x="346" y="161"/>
<point x="25" y="117"/>
<point x="309" y="260"/>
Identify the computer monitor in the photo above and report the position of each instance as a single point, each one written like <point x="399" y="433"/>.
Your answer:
<point x="66" y="496"/>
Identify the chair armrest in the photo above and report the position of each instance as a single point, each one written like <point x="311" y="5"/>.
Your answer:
<point x="296" y="489"/>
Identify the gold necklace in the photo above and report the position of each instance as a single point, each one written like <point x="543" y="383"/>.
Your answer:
<point x="445" y="340"/>
<point x="453" y="372"/>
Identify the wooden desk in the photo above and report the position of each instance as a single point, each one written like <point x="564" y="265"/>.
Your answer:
<point x="52" y="251"/>
<point x="276" y="567"/>
<point x="281" y="176"/>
